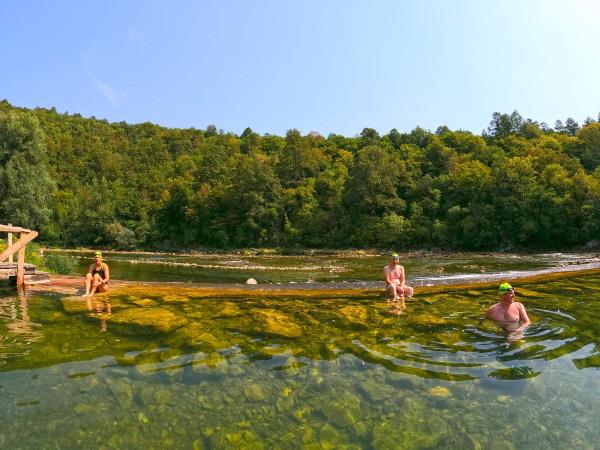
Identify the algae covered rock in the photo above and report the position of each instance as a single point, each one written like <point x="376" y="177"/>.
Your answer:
<point x="418" y="427"/>
<point x="255" y="393"/>
<point x="228" y="309"/>
<point x="144" y="302"/>
<point x="275" y="322"/>
<point x="159" y="320"/>
<point x="342" y="411"/>
<point x="194" y="334"/>
<point x="355" y="313"/>
<point x="440" y="391"/>
<point x="74" y="304"/>
<point x="227" y="439"/>
<point x="377" y="391"/>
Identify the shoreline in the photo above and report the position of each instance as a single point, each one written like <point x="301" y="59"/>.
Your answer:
<point x="70" y="285"/>
<point x="274" y="252"/>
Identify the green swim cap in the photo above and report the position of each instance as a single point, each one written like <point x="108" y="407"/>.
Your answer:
<point x="505" y="287"/>
<point x="98" y="254"/>
<point x="395" y="256"/>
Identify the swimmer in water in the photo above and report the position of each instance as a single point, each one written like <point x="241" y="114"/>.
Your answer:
<point x="511" y="315"/>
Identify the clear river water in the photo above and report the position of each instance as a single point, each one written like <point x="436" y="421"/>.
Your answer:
<point x="176" y="367"/>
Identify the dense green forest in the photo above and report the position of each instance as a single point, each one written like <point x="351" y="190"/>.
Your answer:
<point x="84" y="181"/>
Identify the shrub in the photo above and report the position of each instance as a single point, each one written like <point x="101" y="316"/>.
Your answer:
<point x="59" y="264"/>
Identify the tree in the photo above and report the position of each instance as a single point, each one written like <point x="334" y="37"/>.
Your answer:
<point x="26" y="189"/>
<point x="503" y="125"/>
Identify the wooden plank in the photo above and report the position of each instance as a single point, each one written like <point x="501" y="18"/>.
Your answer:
<point x="21" y="243"/>
<point x="20" y="264"/>
<point x="11" y="229"/>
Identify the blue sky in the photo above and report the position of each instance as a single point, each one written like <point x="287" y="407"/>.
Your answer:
<point x="328" y="66"/>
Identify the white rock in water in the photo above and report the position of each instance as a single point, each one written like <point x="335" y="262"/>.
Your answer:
<point x="251" y="281"/>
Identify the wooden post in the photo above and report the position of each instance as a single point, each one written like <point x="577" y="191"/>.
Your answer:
<point x="10" y="258"/>
<point x="21" y="267"/>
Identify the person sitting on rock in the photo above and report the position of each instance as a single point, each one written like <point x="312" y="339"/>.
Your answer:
<point x="97" y="277"/>
<point x="395" y="279"/>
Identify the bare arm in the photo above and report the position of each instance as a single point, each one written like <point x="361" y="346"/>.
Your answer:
<point x="386" y="276"/>
<point x="106" y="273"/>
<point x="401" y="278"/>
<point x="523" y="317"/>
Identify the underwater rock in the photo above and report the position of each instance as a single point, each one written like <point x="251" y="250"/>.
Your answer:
<point x="331" y="438"/>
<point x="198" y="444"/>
<point x="229" y="309"/>
<point x="173" y="298"/>
<point x="144" y="302"/>
<point x="440" y="391"/>
<point x="74" y="305"/>
<point x="82" y="408"/>
<point x="275" y="322"/>
<point x="195" y="334"/>
<point x="343" y="411"/>
<point x="428" y="319"/>
<point x="356" y="314"/>
<point x="251" y="281"/>
<point x="121" y="391"/>
<point x="160" y="320"/>
<point x="284" y="404"/>
<point x="302" y="413"/>
<point x="254" y="393"/>
<point x="377" y="391"/>
<point x="360" y="428"/>
<point x="235" y="439"/>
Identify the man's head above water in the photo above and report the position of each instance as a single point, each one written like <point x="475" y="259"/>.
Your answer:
<point x="507" y="292"/>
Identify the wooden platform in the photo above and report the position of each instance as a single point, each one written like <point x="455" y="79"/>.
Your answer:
<point x="30" y="275"/>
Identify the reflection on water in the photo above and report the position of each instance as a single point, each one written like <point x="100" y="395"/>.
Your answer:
<point x="176" y="369"/>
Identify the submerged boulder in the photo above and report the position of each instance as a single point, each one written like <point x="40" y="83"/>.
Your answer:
<point x="160" y="320"/>
<point x="275" y="322"/>
<point x="355" y="313"/>
<point x="194" y="334"/>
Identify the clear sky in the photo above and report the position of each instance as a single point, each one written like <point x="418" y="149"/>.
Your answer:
<point x="332" y="66"/>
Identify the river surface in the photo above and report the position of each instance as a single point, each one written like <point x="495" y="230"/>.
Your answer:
<point x="171" y="367"/>
<point x="421" y="268"/>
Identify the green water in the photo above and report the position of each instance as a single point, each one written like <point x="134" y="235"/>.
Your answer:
<point x="421" y="268"/>
<point x="181" y="370"/>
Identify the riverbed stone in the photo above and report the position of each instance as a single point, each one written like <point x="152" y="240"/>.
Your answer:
<point x="174" y="298"/>
<point x="159" y="320"/>
<point x="74" y="305"/>
<point x="144" y="302"/>
<point x="121" y="390"/>
<point x="343" y="411"/>
<point x="440" y="391"/>
<point x="254" y="393"/>
<point x="275" y="322"/>
<point x="355" y="313"/>
<point x="229" y="309"/>
<point x="228" y="439"/>
<point x="196" y="333"/>
<point x="377" y="391"/>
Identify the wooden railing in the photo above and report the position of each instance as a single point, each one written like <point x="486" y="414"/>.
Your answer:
<point x="26" y="236"/>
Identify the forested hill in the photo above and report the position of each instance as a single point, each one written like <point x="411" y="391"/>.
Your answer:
<point x="90" y="182"/>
